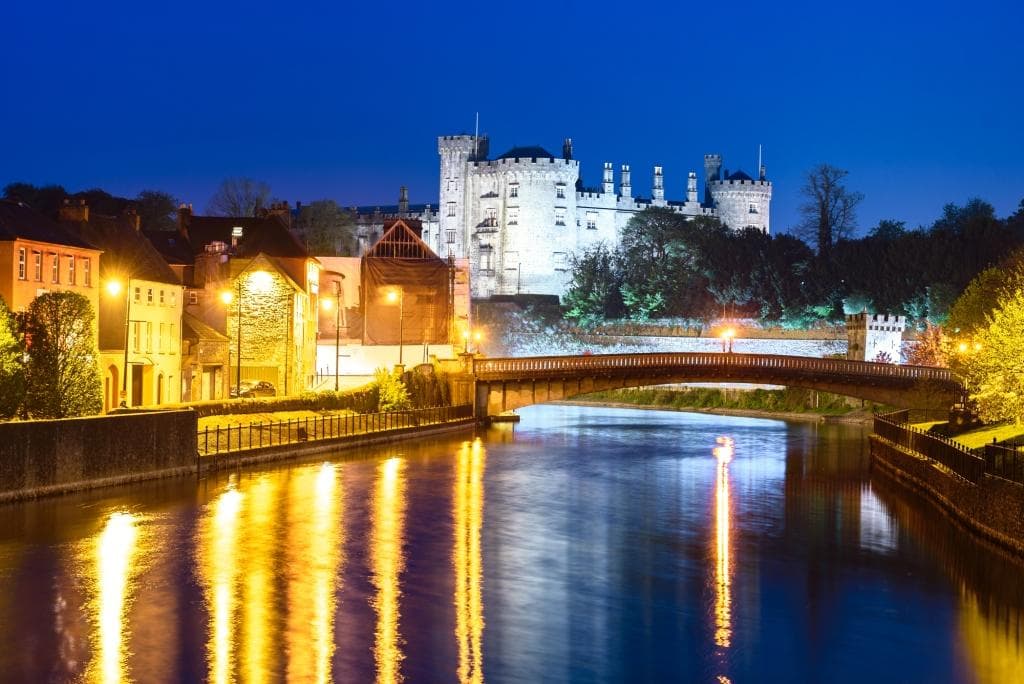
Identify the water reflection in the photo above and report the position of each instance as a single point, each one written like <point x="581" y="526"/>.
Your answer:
<point x="723" y="597"/>
<point x="115" y="552"/>
<point x="218" y="557"/>
<point x="387" y="562"/>
<point x="261" y="546"/>
<point x="468" y="513"/>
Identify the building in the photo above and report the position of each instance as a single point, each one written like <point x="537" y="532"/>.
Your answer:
<point x="874" y="337"/>
<point x="250" y="279"/>
<point x="141" y="291"/>
<point x="39" y="255"/>
<point x="519" y="217"/>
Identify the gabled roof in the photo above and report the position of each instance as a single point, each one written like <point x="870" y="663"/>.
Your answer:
<point x="172" y="246"/>
<point x="237" y="267"/>
<point x="18" y="220"/>
<point x="126" y="252"/>
<point x="400" y="241"/>
<point x="268" y="235"/>
<point x="194" y="329"/>
<point x="530" y="152"/>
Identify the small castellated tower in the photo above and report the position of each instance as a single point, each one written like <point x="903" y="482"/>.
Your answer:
<point x="874" y="337"/>
<point x="739" y="200"/>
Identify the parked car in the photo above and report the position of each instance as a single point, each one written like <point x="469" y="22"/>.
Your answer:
<point x="253" y="388"/>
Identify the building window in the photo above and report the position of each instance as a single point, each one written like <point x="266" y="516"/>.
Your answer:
<point x="560" y="261"/>
<point x="173" y="340"/>
<point x="55" y="267"/>
<point x="451" y="185"/>
<point x="513" y="190"/>
<point x="87" y="271"/>
<point x="491" y="216"/>
<point x="560" y="191"/>
<point x="138" y="295"/>
<point x="591" y="220"/>
<point x="37" y="258"/>
<point x="137" y="334"/>
<point x="193" y="297"/>
<point x="22" y="263"/>
<point x="149" y="295"/>
<point x="486" y="258"/>
<point x="513" y="216"/>
<point x="174" y="297"/>
<point x="559" y="216"/>
<point x="160" y="339"/>
<point x="753" y="208"/>
<point x="450" y="237"/>
<point x="71" y="270"/>
<point x="149" y="337"/>
<point x="451" y="208"/>
<point x="161" y="297"/>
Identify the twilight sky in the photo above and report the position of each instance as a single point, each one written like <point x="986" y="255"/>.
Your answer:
<point x="921" y="102"/>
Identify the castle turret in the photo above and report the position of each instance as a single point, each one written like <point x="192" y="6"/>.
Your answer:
<point x="608" y="184"/>
<point x="741" y="202"/>
<point x="624" y="187"/>
<point x="691" y="187"/>
<point x="658" y="191"/>
<point x="567" y="149"/>
<point x="403" y="201"/>
<point x="456" y="152"/>
<point x="712" y="172"/>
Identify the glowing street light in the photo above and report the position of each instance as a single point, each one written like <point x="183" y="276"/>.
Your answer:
<point x="328" y="304"/>
<point x="727" y="336"/>
<point x="114" y="289"/>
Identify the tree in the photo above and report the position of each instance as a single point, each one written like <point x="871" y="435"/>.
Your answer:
<point x="391" y="392"/>
<point x="12" y="364"/>
<point x="994" y="372"/>
<point x="45" y="199"/>
<point x="327" y="228"/>
<point x="157" y="210"/>
<point x="238" y="197"/>
<point x="593" y="294"/>
<point x="63" y="375"/>
<point x="830" y="210"/>
<point x="931" y="348"/>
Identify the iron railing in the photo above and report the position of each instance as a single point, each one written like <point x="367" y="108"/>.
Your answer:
<point x="956" y="457"/>
<point x="256" y="435"/>
<point x="533" y="366"/>
<point x="1006" y="462"/>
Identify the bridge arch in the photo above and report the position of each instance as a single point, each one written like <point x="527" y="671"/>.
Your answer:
<point x="504" y="384"/>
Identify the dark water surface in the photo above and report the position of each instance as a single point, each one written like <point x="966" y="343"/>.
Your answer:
<point x="588" y="544"/>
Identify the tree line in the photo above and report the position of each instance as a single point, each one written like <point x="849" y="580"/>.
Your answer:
<point x="325" y="227"/>
<point x="671" y="266"/>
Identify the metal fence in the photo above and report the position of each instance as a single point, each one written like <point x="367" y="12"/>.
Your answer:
<point x="956" y="457"/>
<point x="256" y="435"/>
<point x="1006" y="462"/>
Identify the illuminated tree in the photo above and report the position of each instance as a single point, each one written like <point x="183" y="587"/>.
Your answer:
<point x="12" y="365"/>
<point x="931" y="349"/>
<point x="63" y="375"/>
<point x="994" y="371"/>
<point x="391" y="391"/>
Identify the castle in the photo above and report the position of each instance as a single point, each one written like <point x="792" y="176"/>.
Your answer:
<point x="520" y="217"/>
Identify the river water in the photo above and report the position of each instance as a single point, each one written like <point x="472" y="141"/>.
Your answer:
<point x="583" y="545"/>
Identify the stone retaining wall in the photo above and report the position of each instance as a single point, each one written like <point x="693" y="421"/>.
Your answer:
<point x="994" y="508"/>
<point x="43" y="457"/>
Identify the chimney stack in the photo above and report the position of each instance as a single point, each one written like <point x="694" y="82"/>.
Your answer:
<point x="624" y="187"/>
<point x="132" y="218"/>
<point x="403" y="202"/>
<point x="567" y="149"/>
<point x="658" y="192"/>
<point x="74" y="211"/>
<point x="691" y="187"/>
<point x="184" y="219"/>
<point x="608" y="186"/>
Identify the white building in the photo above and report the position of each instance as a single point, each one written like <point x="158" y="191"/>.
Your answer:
<point x="874" y="337"/>
<point x="518" y="218"/>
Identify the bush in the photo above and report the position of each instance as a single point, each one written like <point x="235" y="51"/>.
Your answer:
<point x="361" y="400"/>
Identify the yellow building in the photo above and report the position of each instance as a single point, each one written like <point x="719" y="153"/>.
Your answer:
<point x="141" y="296"/>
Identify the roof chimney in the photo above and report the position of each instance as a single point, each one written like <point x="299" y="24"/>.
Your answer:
<point x="403" y="201"/>
<point x="184" y="219"/>
<point x="567" y="149"/>
<point x="132" y="218"/>
<point x="72" y="210"/>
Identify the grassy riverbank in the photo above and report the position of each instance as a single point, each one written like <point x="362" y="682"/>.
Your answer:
<point x="787" y="402"/>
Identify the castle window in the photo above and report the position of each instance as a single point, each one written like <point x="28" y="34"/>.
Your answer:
<point x="559" y="216"/>
<point x="451" y="185"/>
<point x="560" y="260"/>
<point x="451" y="208"/>
<point x="22" y="263"/>
<point x="513" y="216"/>
<point x="450" y="237"/>
<point x="560" y="191"/>
<point x="486" y="258"/>
<point x="753" y="208"/>
<point x="591" y="220"/>
<point x="513" y="190"/>
<point x="491" y="218"/>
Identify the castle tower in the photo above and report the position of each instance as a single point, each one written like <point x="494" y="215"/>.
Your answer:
<point x="624" y="187"/>
<point x="608" y="184"/>
<point x="691" y="187"/>
<point x="658" y="191"/>
<point x="456" y="152"/>
<point x="403" y="201"/>
<point x="741" y="202"/>
<point x="712" y="171"/>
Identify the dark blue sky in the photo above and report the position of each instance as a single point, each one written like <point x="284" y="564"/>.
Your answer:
<point x="344" y="100"/>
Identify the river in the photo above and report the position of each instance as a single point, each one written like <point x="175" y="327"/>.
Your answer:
<point x="582" y="545"/>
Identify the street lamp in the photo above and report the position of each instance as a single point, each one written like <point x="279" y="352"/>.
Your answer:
<point x="338" y="306"/>
<point x="114" y="289"/>
<point x="727" y="336"/>
<point x="397" y="294"/>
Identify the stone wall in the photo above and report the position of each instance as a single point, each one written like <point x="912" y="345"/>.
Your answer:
<point x="994" y="508"/>
<point x="51" y="456"/>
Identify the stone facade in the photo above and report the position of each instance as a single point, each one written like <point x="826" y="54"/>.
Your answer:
<point x="874" y="337"/>
<point x="520" y="217"/>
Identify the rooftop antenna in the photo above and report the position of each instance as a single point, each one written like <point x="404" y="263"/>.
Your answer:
<point x="759" y="159"/>
<point x="476" y="137"/>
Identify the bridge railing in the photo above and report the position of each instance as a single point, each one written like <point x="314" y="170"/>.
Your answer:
<point x="548" y="365"/>
<point x="956" y="457"/>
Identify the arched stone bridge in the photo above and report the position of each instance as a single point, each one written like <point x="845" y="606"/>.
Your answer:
<point x="502" y="384"/>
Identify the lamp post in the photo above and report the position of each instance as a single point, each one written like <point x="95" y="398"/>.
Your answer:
<point x="238" y="352"/>
<point x="398" y="294"/>
<point x="727" y="336"/>
<point x="114" y="288"/>
<point x="339" y="305"/>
